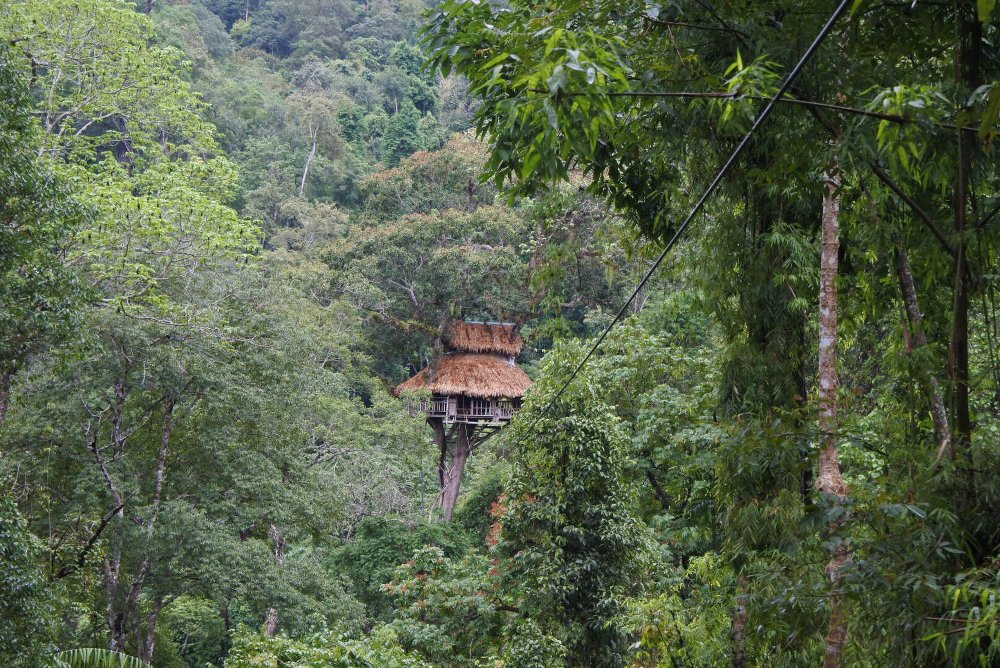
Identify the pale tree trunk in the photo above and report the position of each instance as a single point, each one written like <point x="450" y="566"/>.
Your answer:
<point x="271" y="623"/>
<point x="314" y="134"/>
<point x="278" y="543"/>
<point x="829" y="479"/>
<point x="112" y="572"/>
<point x="453" y="478"/>
<point x="915" y="317"/>
<point x="161" y="462"/>
<point x="146" y="646"/>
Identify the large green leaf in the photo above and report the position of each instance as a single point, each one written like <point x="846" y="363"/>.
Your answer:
<point x="91" y="657"/>
<point x="986" y="9"/>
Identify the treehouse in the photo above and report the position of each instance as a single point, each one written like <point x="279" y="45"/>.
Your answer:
<point x="474" y="388"/>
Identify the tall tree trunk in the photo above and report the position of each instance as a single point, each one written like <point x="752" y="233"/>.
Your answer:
<point x="130" y="609"/>
<point x="278" y="543"/>
<point x="161" y="461"/>
<point x="113" y="559"/>
<point x="915" y="317"/>
<point x="271" y="623"/>
<point x="453" y="478"/>
<point x="112" y="572"/>
<point x="5" y="381"/>
<point x="116" y="624"/>
<point x="471" y="193"/>
<point x="967" y="68"/>
<point x="829" y="479"/>
<point x="147" y="645"/>
<point x="118" y="415"/>
<point x="312" y="155"/>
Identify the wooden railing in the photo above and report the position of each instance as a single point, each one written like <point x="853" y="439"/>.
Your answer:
<point x="460" y="409"/>
<point x="435" y="405"/>
<point x="505" y="410"/>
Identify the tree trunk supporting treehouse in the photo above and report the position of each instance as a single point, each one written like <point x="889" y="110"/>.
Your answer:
<point x="452" y="478"/>
<point x="455" y="443"/>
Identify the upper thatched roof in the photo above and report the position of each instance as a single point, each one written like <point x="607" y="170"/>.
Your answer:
<point x="480" y="375"/>
<point x="484" y="337"/>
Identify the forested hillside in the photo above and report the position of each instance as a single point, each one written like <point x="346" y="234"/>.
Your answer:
<point x="229" y="229"/>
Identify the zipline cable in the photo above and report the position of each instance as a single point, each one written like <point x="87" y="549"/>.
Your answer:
<point x="771" y="104"/>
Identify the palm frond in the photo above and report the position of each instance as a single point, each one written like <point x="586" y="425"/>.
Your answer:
<point x="92" y="657"/>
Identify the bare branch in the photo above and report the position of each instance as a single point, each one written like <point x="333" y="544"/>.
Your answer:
<point x="81" y="559"/>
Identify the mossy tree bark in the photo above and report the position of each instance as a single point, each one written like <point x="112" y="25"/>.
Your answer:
<point x="829" y="480"/>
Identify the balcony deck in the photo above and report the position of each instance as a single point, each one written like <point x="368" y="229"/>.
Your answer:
<point x="465" y="410"/>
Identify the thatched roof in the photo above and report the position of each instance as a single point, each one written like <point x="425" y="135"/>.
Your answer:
<point x="484" y="337"/>
<point x="480" y="375"/>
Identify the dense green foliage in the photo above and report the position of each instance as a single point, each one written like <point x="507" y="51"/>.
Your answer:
<point x="576" y="547"/>
<point x="27" y="606"/>
<point x="646" y="99"/>
<point x="38" y="213"/>
<point x="228" y="228"/>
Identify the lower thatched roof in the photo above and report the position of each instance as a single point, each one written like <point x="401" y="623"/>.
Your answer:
<point x="481" y="375"/>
